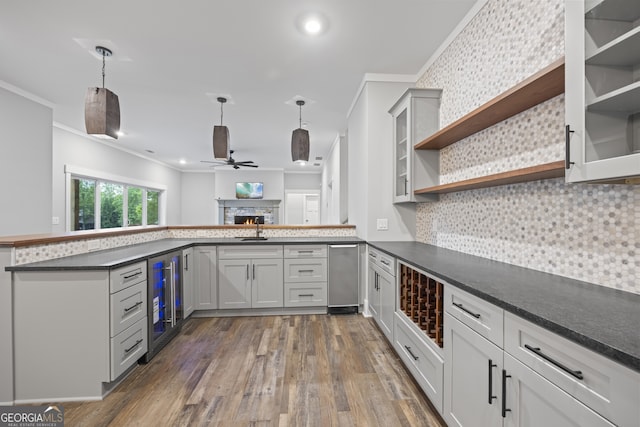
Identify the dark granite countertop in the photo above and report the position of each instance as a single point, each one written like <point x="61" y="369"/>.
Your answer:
<point x="118" y="257"/>
<point x="603" y="319"/>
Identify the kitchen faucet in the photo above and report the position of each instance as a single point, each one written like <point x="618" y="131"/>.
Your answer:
<point x="258" y="231"/>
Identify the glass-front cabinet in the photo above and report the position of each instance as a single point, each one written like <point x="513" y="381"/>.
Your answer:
<point x="602" y="85"/>
<point x="415" y="117"/>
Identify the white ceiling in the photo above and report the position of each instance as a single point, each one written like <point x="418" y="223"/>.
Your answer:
<point x="172" y="58"/>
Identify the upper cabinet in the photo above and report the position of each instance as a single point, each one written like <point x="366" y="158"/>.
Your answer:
<point x="602" y="90"/>
<point x="416" y="115"/>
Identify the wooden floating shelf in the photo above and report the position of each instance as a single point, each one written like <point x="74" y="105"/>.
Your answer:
<point x="532" y="173"/>
<point x="543" y="85"/>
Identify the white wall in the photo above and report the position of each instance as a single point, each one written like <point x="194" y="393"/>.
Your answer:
<point x="331" y="184"/>
<point x="199" y="206"/>
<point x="370" y="152"/>
<point x="302" y="181"/>
<point x="82" y="151"/>
<point x="25" y="165"/>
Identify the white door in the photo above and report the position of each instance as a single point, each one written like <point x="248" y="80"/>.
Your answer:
<point x="472" y="374"/>
<point x="234" y="284"/>
<point x="311" y="209"/>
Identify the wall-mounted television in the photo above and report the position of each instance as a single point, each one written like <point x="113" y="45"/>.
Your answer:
<point x="248" y="190"/>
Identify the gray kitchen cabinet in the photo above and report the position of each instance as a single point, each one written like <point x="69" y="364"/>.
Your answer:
<point x="305" y="275"/>
<point x="537" y="379"/>
<point x="602" y="103"/>
<point x="205" y="278"/>
<point x="416" y="115"/>
<point x="382" y="290"/>
<point x="188" y="291"/>
<point x="250" y="277"/>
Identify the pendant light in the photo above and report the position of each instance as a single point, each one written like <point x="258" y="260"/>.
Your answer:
<point x="221" y="143"/>
<point x="300" y="141"/>
<point x="101" y="107"/>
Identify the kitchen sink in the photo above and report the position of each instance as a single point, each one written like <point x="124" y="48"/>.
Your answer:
<point x="244" y="239"/>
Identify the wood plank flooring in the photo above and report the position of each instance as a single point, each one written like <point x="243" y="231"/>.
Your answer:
<point x="314" y="370"/>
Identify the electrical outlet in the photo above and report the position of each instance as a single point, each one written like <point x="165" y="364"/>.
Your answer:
<point x="382" y="224"/>
<point x="55" y="220"/>
<point x="93" y="245"/>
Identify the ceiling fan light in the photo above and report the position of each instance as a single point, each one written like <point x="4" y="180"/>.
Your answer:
<point x="300" y="145"/>
<point x="221" y="143"/>
<point x="102" y="113"/>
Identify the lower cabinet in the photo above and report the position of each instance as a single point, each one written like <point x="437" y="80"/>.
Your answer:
<point x="538" y="379"/>
<point x="305" y="275"/>
<point x="381" y="297"/>
<point x="205" y="278"/>
<point x="422" y="358"/>
<point x="246" y="282"/>
<point x="188" y="291"/>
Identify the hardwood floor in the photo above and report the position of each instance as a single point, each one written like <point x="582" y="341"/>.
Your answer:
<point x="312" y="370"/>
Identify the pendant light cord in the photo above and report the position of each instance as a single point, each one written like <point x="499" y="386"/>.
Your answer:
<point x="221" y="113"/>
<point x="103" y="66"/>
<point x="300" y="105"/>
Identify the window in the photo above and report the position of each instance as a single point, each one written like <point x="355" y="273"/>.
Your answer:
<point x="98" y="201"/>
<point x="110" y="205"/>
<point x="83" y="200"/>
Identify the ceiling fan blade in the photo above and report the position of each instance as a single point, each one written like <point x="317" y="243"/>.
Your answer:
<point x="244" y="162"/>
<point x="248" y="166"/>
<point x="213" y="162"/>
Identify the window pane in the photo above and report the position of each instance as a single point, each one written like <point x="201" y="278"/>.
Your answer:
<point x="134" y="205"/>
<point x="83" y="204"/>
<point x="152" y="207"/>
<point x="110" y="205"/>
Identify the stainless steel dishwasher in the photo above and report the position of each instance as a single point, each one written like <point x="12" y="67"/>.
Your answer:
<point x="344" y="278"/>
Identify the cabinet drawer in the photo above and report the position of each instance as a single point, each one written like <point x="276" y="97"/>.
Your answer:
<point x="305" y="270"/>
<point x="128" y="306"/>
<point x="124" y="277"/>
<point x="250" y="251"/>
<point x="481" y="316"/>
<point x="305" y="251"/>
<point x="127" y="347"/>
<point x="305" y="294"/>
<point x="606" y="387"/>
<point x="426" y="366"/>
<point x="382" y="260"/>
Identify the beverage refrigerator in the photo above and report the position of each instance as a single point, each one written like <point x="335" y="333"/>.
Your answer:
<point x="165" y="305"/>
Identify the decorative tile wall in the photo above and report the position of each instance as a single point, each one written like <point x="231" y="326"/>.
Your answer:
<point x="37" y="253"/>
<point x="584" y="231"/>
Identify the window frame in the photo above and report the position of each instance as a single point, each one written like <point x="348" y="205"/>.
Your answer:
<point x="73" y="172"/>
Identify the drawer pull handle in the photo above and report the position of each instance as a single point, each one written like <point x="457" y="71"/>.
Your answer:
<point x="411" y="352"/>
<point x="537" y="351"/>
<point x="466" y="310"/>
<point x="491" y="396"/>
<point x="128" y="309"/>
<point x="305" y="295"/>
<point x="305" y="271"/>
<point x="132" y="275"/>
<point x="504" y="394"/>
<point x="305" y="252"/>
<point x="127" y="350"/>
<point x="385" y="262"/>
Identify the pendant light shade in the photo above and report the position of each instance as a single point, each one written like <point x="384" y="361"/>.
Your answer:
<point x="300" y="141"/>
<point x="101" y="107"/>
<point x="221" y="142"/>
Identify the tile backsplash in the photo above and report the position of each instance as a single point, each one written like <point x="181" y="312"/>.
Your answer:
<point x="589" y="232"/>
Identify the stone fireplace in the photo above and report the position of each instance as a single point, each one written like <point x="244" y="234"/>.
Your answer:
<point x="267" y="210"/>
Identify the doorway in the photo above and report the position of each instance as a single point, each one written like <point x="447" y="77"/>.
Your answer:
<point x="302" y="208"/>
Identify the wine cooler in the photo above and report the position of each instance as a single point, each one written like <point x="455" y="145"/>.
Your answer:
<point x="165" y="305"/>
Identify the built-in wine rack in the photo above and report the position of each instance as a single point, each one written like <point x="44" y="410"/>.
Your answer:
<point x="421" y="299"/>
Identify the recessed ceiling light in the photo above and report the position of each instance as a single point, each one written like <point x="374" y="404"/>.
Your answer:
<point x="120" y="133"/>
<point x="183" y="162"/>
<point x="312" y="24"/>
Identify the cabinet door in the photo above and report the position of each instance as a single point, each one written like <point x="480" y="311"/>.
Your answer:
<point x="533" y="401"/>
<point x="602" y="89"/>
<point x="188" y="292"/>
<point x="373" y="296"/>
<point x="205" y="278"/>
<point x="234" y="283"/>
<point x="401" y="165"/>
<point x="268" y="283"/>
<point x="472" y="374"/>
<point x="387" y="295"/>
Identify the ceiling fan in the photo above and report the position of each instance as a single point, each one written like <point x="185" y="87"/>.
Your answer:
<point x="231" y="162"/>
